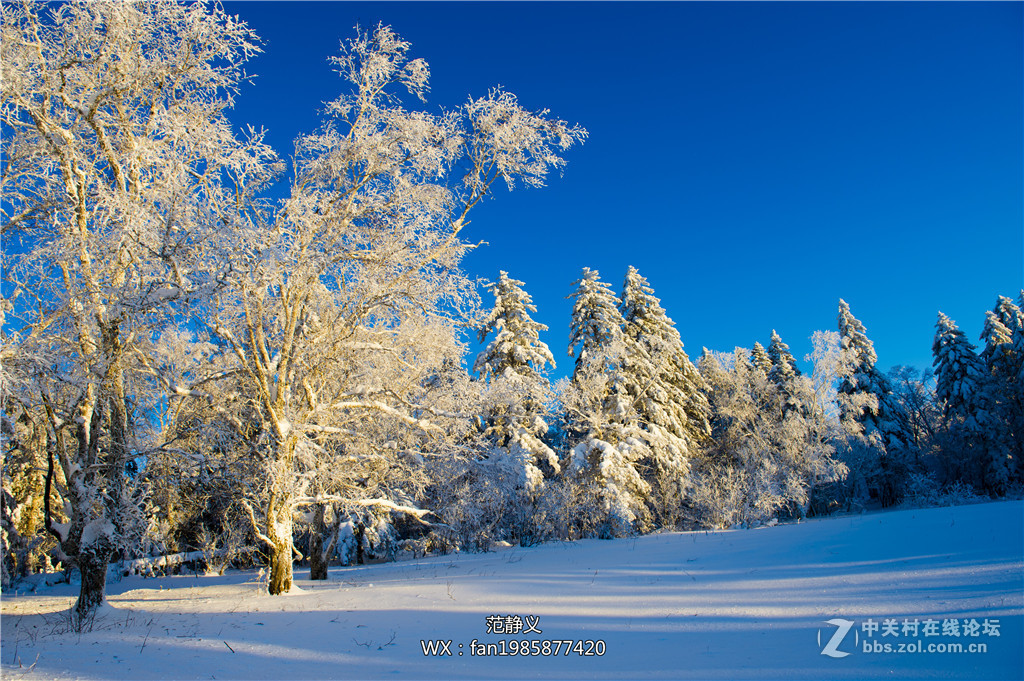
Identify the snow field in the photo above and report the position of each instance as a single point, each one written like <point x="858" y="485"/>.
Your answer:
<point x="732" y="604"/>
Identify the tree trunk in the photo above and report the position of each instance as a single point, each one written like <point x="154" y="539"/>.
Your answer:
<point x="279" y="522"/>
<point x="280" y="567"/>
<point x="360" y="536"/>
<point x="279" y="516"/>
<point x="92" y="564"/>
<point x="317" y="550"/>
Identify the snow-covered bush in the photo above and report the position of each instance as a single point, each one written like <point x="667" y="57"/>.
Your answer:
<point x="772" y="441"/>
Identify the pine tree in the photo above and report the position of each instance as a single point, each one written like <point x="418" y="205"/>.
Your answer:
<point x="867" y="407"/>
<point x="667" y="390"/>
<point x="998" y="351"/>
<point x="783" y="364"/>
<point x="857" y="373"/>
<point x="677" y="400"/>
<point x="864" y="387"/>
<point x="783" y="373"/>
<point x="514" y="363"/>
<point x="1018" y="345"/>
<point x="760" y="359"/>
<point x="959" y="375"/>
<point x="962" y="392"/>
<point x="596" y="320"/>
<point x="1003" y="365"/>
<point x="601" y="412"/>
<point x="516" y="346"/>
<point x="1018" y="349"/>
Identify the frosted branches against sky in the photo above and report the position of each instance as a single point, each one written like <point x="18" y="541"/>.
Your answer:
<point x="756" y="162"/>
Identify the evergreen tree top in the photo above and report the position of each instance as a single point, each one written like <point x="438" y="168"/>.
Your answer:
<point x="1002" y="332"/>
<point x="516" y="346"/>
<point x="958" y="370"/>
<point x="1009" y="313"/>
<point x="994" y="332"/>
<point x="596" y="320"/>
<point x="642" y="312"/>
<point x="860" y="378"/>
<point x="760" y="359"/>
<point x="853" y="338"/>
<point x="783" y="363"/>
<point x="946" y="330"/>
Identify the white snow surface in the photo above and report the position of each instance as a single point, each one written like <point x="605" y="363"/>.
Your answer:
<point x="735" y="604"/>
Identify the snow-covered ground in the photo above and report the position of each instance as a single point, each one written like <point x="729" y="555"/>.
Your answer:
<point x="736" y="604"/>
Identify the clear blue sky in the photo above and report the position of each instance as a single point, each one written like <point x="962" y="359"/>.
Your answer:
<point x="756" y="162"/>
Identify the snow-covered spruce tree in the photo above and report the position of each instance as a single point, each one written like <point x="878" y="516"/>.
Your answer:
<point x="1018" y="349"/>
<point x="997" y="334"/>
<point x="342" y="303"/>
<point x="602" y="418"/>
<point x="116" y="148"/>
<point x="514" y="363"/>
<point x="516" y="345"/>
<point x="514" y="419"/>
<point x="596" y="321"/>
<point x="783" y="372"/>
<point x="760" y="359"/>
<point x="869" y="415"/>
<point x="783" y="363"/>
<point x="961" y="390"/>
<point x="667" y="392"/>
<point x="1003" y="366"/>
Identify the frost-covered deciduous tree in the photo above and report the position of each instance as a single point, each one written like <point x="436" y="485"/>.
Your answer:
<point x="342" y="304"/>
<point x="914" y="392"/>
<point x="737" y="479"/>
<point x="206" y="466"/>
<point x="765" y="458"/>
<point x="114" y="166"/>
<point x="824" y="433"/>
<point x="24" y="435"/>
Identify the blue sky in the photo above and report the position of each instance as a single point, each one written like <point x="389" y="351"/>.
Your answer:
<point x="755" y="161"/>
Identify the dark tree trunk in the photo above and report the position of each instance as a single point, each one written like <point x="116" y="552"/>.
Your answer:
<point x="360" y="537"/>
<point x="92" y="564"/>
<point x="317" y="551"/>
<point x="93" y="558"/>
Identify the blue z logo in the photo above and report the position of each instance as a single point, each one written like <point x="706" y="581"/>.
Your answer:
<point x="842" y="629"/>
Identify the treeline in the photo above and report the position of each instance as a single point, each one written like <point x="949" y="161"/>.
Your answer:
<point x="190" y="365"/>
